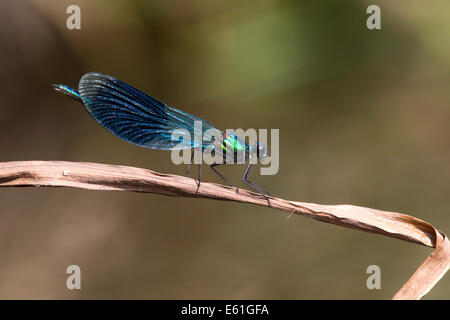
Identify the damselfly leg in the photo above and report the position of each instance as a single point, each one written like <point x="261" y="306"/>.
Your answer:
<point x="199" y="171"/>
<point x="245" y="179"/>
<point x="219" y="174"/>
<point x="252" y="185"/>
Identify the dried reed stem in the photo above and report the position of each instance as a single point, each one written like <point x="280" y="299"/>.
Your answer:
<point x="94" y="176"/>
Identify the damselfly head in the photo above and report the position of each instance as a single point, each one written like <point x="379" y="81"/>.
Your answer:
<point x="261" y="151"/>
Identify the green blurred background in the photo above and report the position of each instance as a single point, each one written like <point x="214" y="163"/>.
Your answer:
<point x="363" y="118"/>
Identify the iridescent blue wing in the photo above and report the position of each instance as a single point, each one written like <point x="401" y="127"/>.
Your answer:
<point x="136" y="117"/>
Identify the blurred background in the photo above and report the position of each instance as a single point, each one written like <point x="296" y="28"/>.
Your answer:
<point x="363" y="118"/>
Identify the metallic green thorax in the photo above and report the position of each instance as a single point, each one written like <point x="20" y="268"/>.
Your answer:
<point x="232" y="144"/>
<point x="235" y="147"/>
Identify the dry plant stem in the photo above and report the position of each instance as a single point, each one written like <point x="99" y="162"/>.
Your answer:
<point x="436" y="264"/>
<point x="95" y="176"/>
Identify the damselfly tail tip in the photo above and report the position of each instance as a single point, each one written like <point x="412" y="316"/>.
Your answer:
<point x="66" y="91"/>
<point x="58" y="87"/>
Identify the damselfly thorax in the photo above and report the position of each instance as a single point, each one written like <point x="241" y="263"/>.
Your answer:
<point x="231" y="148"/>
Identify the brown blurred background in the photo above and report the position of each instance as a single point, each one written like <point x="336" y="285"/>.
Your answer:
<point x="363" y="118"/>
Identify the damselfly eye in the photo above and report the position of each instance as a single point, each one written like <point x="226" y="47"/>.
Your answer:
<point x="261" y="150"/>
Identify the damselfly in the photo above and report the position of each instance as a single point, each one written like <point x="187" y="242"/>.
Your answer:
<point x="144" y="121"/>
